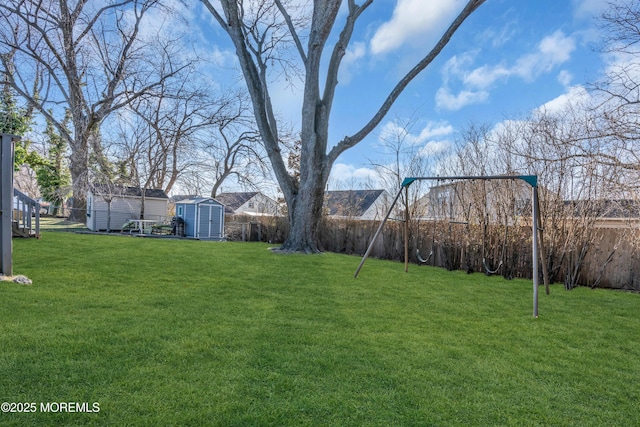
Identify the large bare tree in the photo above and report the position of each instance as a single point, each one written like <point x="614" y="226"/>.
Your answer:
<point x="181" y="128"/>
<point x="231" y="147"/>
<point x="158" y="133"/>
<point x="615" y="122"/>
<point x="91" y="58"/>
<point x="259" y="31"/>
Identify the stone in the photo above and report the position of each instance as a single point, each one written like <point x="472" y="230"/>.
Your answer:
<point x="23" y="280"/>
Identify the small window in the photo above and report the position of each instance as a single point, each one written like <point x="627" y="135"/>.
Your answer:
<point x="180" y="211"/>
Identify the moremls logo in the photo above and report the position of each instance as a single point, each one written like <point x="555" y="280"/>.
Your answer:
<point x="69" y="407"/>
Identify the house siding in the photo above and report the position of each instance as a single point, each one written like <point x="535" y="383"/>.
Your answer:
<point x="122" y="210"/>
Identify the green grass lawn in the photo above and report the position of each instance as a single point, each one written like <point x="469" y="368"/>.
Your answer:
<point x="173" y="332"/>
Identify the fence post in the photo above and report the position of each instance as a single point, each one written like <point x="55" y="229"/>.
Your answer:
<point x="6" y="203"/>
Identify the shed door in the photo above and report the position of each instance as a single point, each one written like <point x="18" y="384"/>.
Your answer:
<point x="216" y="222"/>
<point x="204" y="221"/>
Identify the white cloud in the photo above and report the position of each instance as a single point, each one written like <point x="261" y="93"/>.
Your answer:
<point x="588" y="8"/>
<point x="622" y="69"/>
<point x="499" y="37"/>
<point x="413" y="20"/>
<point x="557" y="47"/>
<point x="575" y="95"/>
<point x="429" y="142"/>
<point x="356" y="177"/>
<point x="395" y="130"/>
<point x="551" y="52"/>
<point x="350" y="61"/>
<point x="435" y="129"/>
<point x="433" y="148"/>
<point x="485" y="76"/>
<point x="565" y="78"/>
<point x="448" y="101"/>
<point x="457" y="65"/>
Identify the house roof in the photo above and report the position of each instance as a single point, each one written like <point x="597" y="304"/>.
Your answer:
<point x="605" y="208"/>
<point x="126" y="191"/>
<point x="233" y="201"/>
<point x="350" y="202"/>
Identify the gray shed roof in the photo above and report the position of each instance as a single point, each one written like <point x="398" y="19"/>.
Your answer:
<point x="180" y="197"/>
<point x="198" y="200"/>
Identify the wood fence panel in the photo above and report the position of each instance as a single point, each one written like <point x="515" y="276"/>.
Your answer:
<point x="460" y="247"/>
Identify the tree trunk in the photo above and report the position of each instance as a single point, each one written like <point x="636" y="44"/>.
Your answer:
<point x="305" y="205"/>
<point x="216" y="186"/>
<point x="305" y="214"/>
<point x="109" y="215"/>
<point x="78" y="168"/>
<point x="143" y="193"/>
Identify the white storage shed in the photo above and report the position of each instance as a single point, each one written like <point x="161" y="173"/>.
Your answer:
<point x="110" y="207"/>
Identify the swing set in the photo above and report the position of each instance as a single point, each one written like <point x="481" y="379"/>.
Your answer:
<point x="433" y="244"/>
<point x="531" y="180"/>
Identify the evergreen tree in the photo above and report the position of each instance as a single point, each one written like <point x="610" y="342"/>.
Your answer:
<point x="53" y="174"/>
<point x="15" y="120"/>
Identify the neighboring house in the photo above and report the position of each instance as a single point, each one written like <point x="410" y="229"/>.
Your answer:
<point x="110" y="207"/>
<point x="203" y="217"/>
<point x="248" y="203"/>
<point x="459" y="200"/>
<point x="357" y="204"/>
<point x="604" y="213"/>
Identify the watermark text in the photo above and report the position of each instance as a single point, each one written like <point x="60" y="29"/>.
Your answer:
<point x="49" y="407"/>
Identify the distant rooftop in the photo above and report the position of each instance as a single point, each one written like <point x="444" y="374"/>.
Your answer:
<point x="233" y="201"/>
<point x="127" y="191"/>
<point x="622" y="208"/>
<point x="350" y="202"/>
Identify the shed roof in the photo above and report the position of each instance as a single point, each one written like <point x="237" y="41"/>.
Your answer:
<point x="126" y="191"/>
<point x="198" y="200"/>
<point x="180" y="197"/>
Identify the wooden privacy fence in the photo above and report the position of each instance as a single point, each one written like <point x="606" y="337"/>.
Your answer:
<point x="610" y="259"/>
<point x="246" y="228"/>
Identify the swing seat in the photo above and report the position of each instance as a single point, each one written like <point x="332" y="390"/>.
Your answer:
<point x="422" y="260"/>
<point x="487" y="270"/>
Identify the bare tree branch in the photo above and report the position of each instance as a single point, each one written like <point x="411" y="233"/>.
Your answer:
<point x="350" y="141"/>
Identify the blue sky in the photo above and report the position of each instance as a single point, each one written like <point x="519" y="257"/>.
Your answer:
<point x="508" y="58"/>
